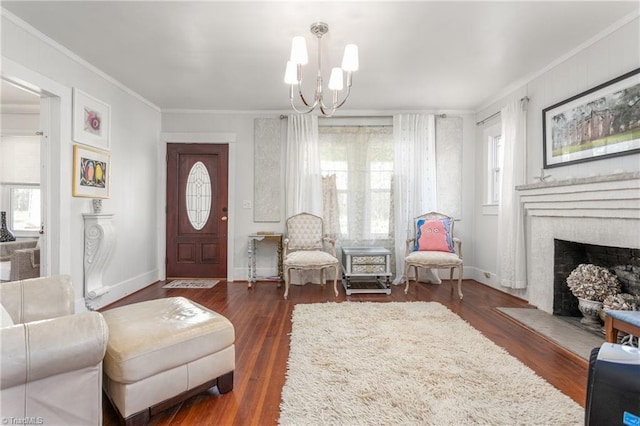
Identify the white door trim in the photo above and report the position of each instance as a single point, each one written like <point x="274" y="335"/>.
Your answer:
<point x="56" y="105"/>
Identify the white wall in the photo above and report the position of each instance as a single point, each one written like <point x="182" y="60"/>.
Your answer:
<point x="597" y="61"/>
<point x="135" y="127"/>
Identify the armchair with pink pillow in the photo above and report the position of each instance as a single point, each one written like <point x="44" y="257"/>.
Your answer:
<point x="434" y="247"/>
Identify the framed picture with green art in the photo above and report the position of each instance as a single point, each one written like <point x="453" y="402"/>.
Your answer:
<point x="599" y="123"/>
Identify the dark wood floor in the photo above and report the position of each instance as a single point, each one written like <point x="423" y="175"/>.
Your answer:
<point x="262" y="321"/>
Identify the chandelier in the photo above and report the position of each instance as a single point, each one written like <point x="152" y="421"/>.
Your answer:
<point x="293" y="73"/>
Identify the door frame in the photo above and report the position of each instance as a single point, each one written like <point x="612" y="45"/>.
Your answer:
<point x="201" y="138"/>
<point x="55" y="111"/>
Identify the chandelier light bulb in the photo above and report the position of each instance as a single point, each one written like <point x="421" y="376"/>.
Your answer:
<point x="350" y="58"/>
<point x="291" y="73"/>
<point x="335" y="81"/>
<point x="299" y="51"/>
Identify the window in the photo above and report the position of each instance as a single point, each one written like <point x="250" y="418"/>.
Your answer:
<point x="495" y="154"/>
<point x="361" y="158"/>
<point x="496" y="149"/>
<point x="24" y="214"/>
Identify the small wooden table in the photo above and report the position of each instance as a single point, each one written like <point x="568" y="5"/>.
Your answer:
<point x="367" y="262"/>
<point x="625" y="321"/>
<point x="252" y="252"/>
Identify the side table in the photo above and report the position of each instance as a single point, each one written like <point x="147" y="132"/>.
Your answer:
<point x="367" y="262"/>
<point x="252" y="252"/>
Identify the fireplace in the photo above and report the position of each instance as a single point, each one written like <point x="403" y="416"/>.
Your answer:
<point x="597" y="219"/>
<point x="624" y="262"/>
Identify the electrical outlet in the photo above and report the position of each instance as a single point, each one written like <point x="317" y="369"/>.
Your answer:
<point x="487" y="274"/>
<point x="246" y="204"/>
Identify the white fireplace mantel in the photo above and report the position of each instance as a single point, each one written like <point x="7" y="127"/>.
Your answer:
<point x="600" y="196"/>
<point x="600" y="210"/>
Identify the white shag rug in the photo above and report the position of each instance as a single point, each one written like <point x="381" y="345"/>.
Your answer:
<point x="414" y="363"/>
<point x="192" y="283"/>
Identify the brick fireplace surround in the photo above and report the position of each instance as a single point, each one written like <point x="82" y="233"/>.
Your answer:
<point x="600" y="210"/>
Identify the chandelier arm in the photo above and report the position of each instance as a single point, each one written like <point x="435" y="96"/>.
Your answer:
<point x="345" y="97"/>
<point x="301" y="112"/>
<point x="304" y="101"/>
<point x="325" y="113"/>
<point x="336" y="104"/>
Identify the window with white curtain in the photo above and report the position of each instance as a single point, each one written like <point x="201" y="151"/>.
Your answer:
<point x="361" y="158"/>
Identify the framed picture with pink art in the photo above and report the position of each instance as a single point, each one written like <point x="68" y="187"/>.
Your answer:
<point x="91" y="120"/>
<point x="91" y="172"/>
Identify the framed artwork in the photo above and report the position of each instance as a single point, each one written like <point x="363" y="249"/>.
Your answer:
<point x="91" y="172"/>
<point x="600" y="123"/>
<point x="91" y="120"/>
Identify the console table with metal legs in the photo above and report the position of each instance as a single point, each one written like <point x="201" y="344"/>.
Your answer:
<point x="252" y="253"/>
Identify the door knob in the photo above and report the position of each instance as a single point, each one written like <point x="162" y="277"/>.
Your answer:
<point x="224" y="218"/>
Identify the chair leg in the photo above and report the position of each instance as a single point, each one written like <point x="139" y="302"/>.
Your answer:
<point x="335" y="280"/>
<point x="451" y="279"/>
<point x="287" y="278"/>
<point x="406" y="278"/>
<point x="460" y="273"/>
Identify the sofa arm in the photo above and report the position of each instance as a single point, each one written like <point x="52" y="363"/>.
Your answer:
<point x="25" y="263"/>
<point x="38" y="298"/>
<point x="40" y="349"/>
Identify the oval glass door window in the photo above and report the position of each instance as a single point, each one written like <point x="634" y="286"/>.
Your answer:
<point x="198" y="195"/>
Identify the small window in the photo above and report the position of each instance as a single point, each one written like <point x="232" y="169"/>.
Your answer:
<point x="496" y="151"/>
<point x="24" y="216"/>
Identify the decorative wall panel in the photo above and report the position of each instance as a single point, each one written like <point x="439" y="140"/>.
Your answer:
<point x="267" y="170"/>
<point x="449" y="165"/>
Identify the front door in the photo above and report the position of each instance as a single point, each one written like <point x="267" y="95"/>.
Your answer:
<point x="197" y="210"/>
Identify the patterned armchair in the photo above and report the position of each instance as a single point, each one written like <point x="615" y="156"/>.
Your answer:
<point x="304" y="249"/>
<point x="433" y="248"/>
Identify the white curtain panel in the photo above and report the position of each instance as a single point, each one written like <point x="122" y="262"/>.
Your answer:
<point x="511" y="245"/>
<point x="303" y="179"/>
<point x="302" y="170"/>
<point x="330" y="206"/>
<point x="414" y="178"/>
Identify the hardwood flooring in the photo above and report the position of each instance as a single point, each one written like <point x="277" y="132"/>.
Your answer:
<point x="262" y="321"/>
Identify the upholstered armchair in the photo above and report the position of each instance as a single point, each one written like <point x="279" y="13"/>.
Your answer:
<point x="19" y="260"/>
<point x="25" y="263"/>
<point x="50" y="358"/>
<point x="433" y="248"/>
<point x="306" y="248"/>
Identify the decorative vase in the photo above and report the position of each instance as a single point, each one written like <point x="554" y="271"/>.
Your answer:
<point x="591" y="312"/>
<point x="97" y="205"/>
<point x="5" y="232"/>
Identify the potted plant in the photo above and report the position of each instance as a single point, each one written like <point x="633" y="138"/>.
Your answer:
<point x="591" y="284"/>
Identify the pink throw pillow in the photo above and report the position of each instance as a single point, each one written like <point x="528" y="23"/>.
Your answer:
<point x="434" y="235"/>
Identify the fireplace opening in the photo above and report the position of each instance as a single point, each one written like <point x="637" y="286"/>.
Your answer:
<point x="624" y="262"/>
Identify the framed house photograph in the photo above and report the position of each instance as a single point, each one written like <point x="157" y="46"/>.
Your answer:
<point x="600" y="123"/>
<point x="91" y="172"/>
<point x="91" y="120"/>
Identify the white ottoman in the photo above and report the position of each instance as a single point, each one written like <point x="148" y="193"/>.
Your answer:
<point x="163" y="351"/>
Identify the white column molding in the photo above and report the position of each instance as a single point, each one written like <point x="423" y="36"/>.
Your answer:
<point x="99" y="241"/>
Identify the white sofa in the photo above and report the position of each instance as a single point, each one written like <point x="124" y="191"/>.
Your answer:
<point x="50" y="358"/>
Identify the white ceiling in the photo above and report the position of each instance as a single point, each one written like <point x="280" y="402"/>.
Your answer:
<point x="230" y="56"/>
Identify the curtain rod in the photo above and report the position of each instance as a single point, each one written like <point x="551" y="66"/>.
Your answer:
<point x="495" y="114"/>
<point x="363" y="116"/>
